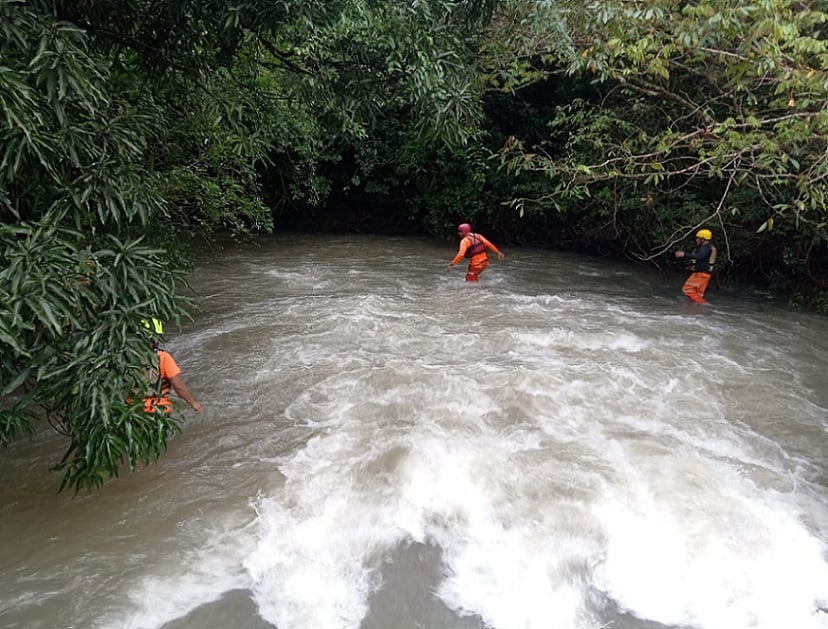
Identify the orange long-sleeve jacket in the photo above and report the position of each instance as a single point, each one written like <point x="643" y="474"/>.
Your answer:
<point x="470" y="240"/>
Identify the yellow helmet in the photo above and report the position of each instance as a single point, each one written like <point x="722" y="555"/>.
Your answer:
<point x="704" y="234"/>
<point x="157" y="325"/>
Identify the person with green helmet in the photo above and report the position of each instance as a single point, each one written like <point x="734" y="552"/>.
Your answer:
<point x="163" y="375"/>
<point x="700" y="261"/>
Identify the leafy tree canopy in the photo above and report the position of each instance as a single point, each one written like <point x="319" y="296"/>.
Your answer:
<point x="713" y="96"/>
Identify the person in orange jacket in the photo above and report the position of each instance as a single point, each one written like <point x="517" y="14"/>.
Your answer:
<point x="163" y="375"/>
<point x="473" y="246"/>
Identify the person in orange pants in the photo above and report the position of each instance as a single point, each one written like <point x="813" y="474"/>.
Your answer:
<point x="700" y="261"/>
<point x="473" y="246"/>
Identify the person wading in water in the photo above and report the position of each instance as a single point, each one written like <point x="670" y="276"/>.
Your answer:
<point x="162" y="375"/>
<point x="700" y="261"/>
<point x="473" y="246"/>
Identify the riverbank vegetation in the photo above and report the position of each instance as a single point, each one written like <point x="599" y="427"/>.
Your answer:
<point x="610" y="127"/>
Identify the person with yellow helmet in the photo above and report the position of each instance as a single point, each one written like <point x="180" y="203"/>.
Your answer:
<point x="700" y="261"/>
<point x="164" y="374"/>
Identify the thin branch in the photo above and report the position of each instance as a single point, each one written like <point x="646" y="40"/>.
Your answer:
<point x="657" y="92"/>
<point x="721" y="205"/>
<point x="283" y="57"/>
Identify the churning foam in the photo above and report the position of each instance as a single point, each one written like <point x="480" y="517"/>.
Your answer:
<point x="537" y="522"/>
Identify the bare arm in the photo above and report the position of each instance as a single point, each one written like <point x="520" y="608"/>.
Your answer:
<point x="183" y="392"/>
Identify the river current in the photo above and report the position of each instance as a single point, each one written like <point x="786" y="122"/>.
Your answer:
<point x="567" y="445"/>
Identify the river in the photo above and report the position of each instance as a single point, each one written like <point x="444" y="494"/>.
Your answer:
<point x="567" y="445"/>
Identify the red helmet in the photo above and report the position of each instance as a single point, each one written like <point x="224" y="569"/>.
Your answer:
<point x="463" y="229"/>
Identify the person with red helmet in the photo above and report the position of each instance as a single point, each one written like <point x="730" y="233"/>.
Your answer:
<point x="473" y="246"/>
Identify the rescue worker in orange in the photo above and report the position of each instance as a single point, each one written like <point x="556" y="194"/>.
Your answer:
<point x="473" y="246"/>
<point x="163" y="375"/>
<point x="700" y="261"/>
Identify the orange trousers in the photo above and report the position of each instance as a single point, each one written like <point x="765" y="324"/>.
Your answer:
<point x="476" y="267"/>
<point x="695" y="286"/>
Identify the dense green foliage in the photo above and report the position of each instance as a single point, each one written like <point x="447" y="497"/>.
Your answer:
<point x="698" y="114"/>
<point x="77" y="272"/>
<point x="610" y="126"/>
<point x="127" y="125"/>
